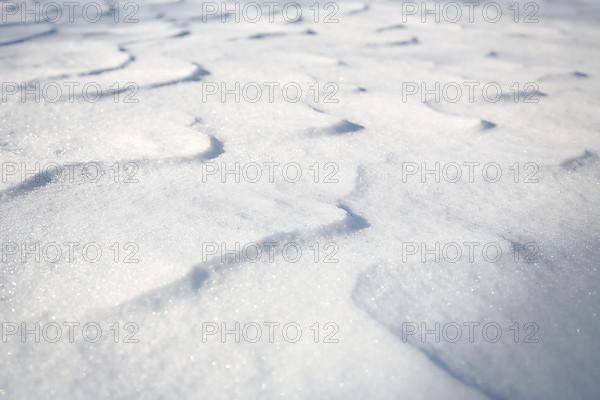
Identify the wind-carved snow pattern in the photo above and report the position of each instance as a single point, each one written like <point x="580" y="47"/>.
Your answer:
<point x="28" y="38"/>
<point x="174" y="134"/>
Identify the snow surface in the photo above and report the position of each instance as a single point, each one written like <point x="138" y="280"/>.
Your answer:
<point x="170" y="133"/>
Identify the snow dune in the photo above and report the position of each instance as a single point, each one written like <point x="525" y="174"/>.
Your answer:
<point x="172" y="134"/>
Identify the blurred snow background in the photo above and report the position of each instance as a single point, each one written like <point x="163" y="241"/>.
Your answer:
<point x="170" y="132"/>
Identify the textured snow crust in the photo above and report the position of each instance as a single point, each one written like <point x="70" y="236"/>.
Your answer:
<point x="171" y="134"/>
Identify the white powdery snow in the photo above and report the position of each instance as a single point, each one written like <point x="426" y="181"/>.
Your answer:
<point x="171" y="135"/>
